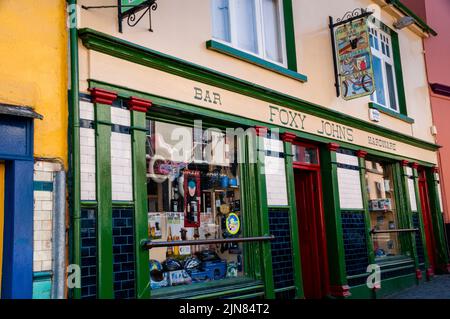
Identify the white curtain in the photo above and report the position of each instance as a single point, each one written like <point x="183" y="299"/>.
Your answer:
<point x="246" y="25"/>
<point x="272" y="32"/>
<point x="221" y="20"/>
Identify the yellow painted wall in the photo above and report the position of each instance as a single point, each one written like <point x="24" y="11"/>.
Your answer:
<point x="181" y="29"/>
<point x="2" y="216"/>
<point x="33" y="72"/>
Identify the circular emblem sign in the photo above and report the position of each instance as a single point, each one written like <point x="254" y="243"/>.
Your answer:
<point x="233" y="224"/>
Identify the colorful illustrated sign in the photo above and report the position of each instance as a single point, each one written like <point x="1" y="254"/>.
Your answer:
<point x="354" y="59"/>
<point x="233" y="224"/>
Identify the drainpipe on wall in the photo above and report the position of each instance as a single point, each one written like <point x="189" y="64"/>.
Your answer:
<point x="74" y="143"/>
<point x="59" y="235"/>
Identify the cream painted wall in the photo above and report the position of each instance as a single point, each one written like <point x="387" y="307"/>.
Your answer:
<point x="181" y="29"/>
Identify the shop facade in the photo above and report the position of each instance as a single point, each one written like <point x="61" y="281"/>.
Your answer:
<point x="285" y="198"/>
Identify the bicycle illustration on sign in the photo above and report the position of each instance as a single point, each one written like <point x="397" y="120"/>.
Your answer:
<point x="354" y="60"/>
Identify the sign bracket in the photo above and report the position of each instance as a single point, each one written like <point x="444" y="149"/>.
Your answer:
<point x="131" y="14"/>
<point x="349" y="16"/>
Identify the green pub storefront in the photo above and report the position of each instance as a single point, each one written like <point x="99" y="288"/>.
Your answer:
<point x="285" y="199"/>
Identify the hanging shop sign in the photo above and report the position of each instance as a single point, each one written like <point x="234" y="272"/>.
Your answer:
<point x="352" y="55"/>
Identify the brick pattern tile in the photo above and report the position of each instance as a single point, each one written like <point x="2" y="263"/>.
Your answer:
<point x="355" y="244"/>
<point x="282" y="264"/>
<point x="123" y="250"/>
<point x="88" y="254"/>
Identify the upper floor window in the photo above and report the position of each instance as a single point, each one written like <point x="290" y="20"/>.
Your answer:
<point x="383" y="67"/>
<point x="253" y="26"/>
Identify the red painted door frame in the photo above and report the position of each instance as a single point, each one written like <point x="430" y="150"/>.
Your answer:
<point x="311" y="226"/>
<point x="427" y="220"/>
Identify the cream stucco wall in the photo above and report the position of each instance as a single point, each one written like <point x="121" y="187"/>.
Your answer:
<point x="181" y="29"/>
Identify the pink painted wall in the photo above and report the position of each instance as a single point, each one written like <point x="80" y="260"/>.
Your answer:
<point x="436" y="13"/>
<point x="437" y="56"/>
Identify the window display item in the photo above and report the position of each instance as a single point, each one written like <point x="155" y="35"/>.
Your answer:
<point x="192" y="198"/>
<point x="154" y="226"/>
<point x="232" y="224"/>
<point x="158" y="279"/>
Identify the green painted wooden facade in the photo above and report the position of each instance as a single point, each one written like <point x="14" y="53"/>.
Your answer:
<point x="257" y="256"/>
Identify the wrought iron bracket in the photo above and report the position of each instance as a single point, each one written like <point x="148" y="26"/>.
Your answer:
<point x="349" y="16"/>
<point x="132" y="13"/>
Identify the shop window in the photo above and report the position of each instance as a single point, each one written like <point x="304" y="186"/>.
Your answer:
<point x="383" y="209"/>
<point x="193" y="194"/>
<point x="252" y="26"/>
<point x="383" y="67"/>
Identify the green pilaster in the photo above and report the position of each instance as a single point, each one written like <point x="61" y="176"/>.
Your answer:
<point x="266" y="252"/>
<point x="402" y="210"/>
<point x="408" y="215"/>
<point x="296" y="258"/>
<point x="333" y="222"/>
<point x="420" y="215"/>
<point x="365" y="197"/>
<point x="249" y="203"/>
<point x="105" y="286"/>
<point x="442" y="262"/>
<point x="138" y="147"/>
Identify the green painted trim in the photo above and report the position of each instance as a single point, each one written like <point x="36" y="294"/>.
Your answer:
<point x="389" y="112"/>
<point x="365" y="198"/>
<point x="408" y="12"/>
<point x="441" y="253"/>
<point x="241" y="55"/>
<point x="105" y="277"/>
<point x="221" y="118"/>
<point x="388" y="286"/>
<point x="333" y="221"/>
<point x="122" y="204"/>
<point x="289" y="30"/>
<point x="263" y="212"/>
<point x="409" y="215"/>
<point x="402" y="211"/>
<point x="138" y="147"/>
<point x="296" y="257"/>
<point x="74" y="178"/>
<point x="89" y="204"/>
<point x="399" y="74"/>
<point x="119" y="48"/>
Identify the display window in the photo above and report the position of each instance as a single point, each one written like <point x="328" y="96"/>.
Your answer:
<point x="193" y="184"/>
<point x="382" y="209"/>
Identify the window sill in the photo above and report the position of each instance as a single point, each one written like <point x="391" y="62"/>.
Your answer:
<point x="228" y="50"/>
<point x="386" y="111"/>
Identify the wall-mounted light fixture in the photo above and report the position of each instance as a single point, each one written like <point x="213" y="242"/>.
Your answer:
<point x="404" y="22"/>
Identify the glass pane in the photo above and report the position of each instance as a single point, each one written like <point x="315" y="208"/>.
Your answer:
<point x="190" y="200"/>
<point x="379" y="84"/>
<point x="391" y="86"/>
<point x="246" y="25"/>
<point x="272" y="30"/>
<point x="221" y="20"/>
<point x="305" y="155"/>
<point x="382" y="208"/>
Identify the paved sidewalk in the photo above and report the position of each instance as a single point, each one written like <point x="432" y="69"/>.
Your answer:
<point x="437" y="288"/>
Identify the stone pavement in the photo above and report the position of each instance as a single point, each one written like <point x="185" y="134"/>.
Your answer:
<point x="437" y="288"/>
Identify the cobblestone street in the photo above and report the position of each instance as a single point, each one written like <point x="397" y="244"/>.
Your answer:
<point x="437" y="288"/>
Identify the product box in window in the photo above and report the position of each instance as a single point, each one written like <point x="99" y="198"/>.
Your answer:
<point x="178" y="277"/>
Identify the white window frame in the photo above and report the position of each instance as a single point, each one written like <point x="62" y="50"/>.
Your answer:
<point x="259" y="31"/>
<point x="384" y="58"/>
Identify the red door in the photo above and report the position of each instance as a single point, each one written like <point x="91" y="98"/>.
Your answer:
<point x="311" y="233"/>
<point x="427" y="221"/>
